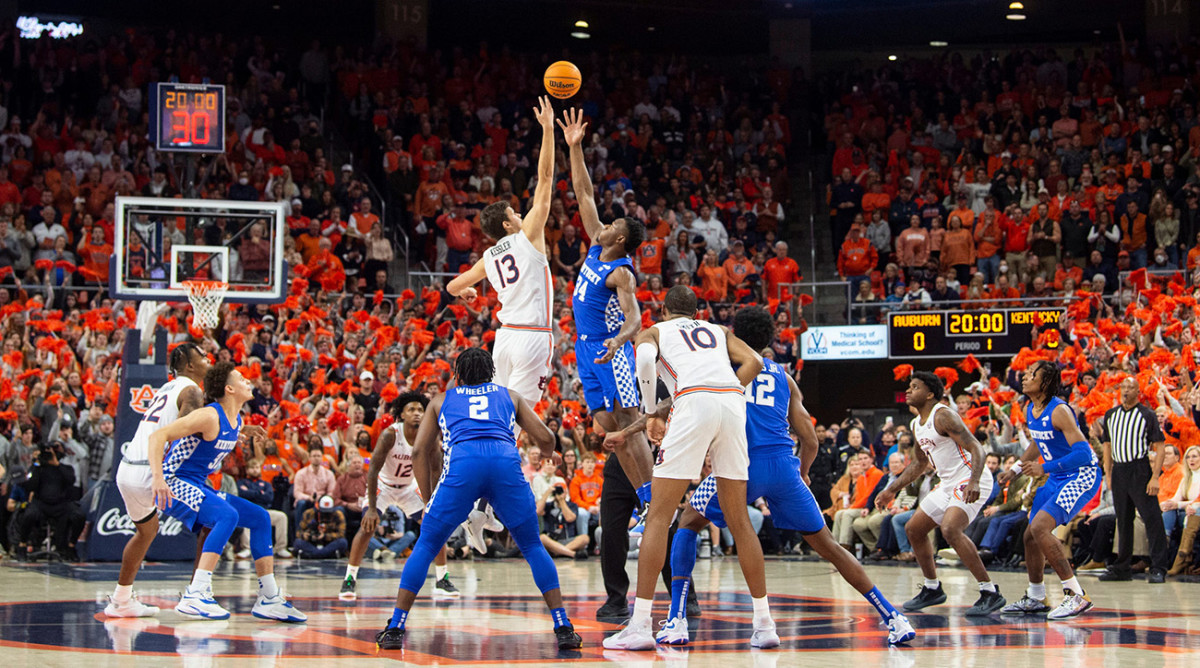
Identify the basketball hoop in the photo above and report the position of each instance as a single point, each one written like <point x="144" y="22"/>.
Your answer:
<point x="206" y="298"/>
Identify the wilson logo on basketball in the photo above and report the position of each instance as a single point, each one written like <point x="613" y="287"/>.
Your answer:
<point x="140" y="401"/>
<point x="113" y="522"/>
<point x="553" y="83"/>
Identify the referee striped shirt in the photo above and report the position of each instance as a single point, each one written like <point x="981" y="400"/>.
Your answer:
<point x="1131" y="431"/>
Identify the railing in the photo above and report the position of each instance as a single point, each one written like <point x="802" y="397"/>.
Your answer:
<point x="814" y="314"/>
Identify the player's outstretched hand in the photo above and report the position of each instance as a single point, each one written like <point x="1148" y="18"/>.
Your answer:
<point x="544" y="113"/>
<point x="613" y="346"/>
<point x="971" y="494"/>
<point x="370" y="521"/>
<point x="614" y="440"/>
<point x="162" y="493"/>
<point x="468" y="295"/>
<point x="573" y="126"/>
<point x="253" y="432"/>
<point x="884" y="499"/>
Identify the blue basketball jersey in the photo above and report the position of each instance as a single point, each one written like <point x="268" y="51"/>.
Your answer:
<point x="1051" y="442"/>
<point x="477" y="413"/>
<point x="767" y="400"/>
<point x="193" y="458"/>
<point x="597" y="310"/>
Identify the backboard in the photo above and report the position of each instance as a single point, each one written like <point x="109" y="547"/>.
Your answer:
<point x="161" y="242"/>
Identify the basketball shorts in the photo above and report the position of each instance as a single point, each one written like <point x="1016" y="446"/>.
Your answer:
<point x="607" y="387"/>
<point x="949" y="494"/>
<point x="133" y="481"/>
<point x="186" y="498"/>
<point x="702" y="423"/>
<point x="489" y="470"/>
<point x="777" y="480"/>
<point x="406" y="497"/>
<point x="523" y="358"/>
<point x="1065" y="494"/>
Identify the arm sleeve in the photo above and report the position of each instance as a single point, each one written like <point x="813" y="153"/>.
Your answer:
<point x="1081" y="455"/>
<point x="645" y="355"/>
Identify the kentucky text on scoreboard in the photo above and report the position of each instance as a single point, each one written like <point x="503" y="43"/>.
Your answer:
<point x="995" y="332"/>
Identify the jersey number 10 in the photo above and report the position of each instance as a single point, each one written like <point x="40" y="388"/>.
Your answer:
<point x="694" y="340"/>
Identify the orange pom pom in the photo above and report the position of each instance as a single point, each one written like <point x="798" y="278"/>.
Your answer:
<point x="902" y="371"/>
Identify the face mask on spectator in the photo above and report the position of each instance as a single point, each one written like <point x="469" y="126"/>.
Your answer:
<point x="1003" y="268"/>
<point x="243" y="181"/>
<point x="1160" y="259"/>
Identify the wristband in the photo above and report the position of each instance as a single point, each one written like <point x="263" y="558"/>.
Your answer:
<point x="1015" y="469"/>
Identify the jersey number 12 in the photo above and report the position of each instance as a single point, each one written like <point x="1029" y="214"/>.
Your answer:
<point x="761" y="391"/>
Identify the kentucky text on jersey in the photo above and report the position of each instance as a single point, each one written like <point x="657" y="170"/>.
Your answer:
<point x="1051" y="442"/>
<point x="597" y="310"/>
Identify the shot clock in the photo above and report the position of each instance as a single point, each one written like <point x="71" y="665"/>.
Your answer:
<point x="995" y="332"/>
<point x="187" y="118"/>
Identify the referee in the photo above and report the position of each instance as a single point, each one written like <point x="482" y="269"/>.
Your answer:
<point x="1130" y="430"/>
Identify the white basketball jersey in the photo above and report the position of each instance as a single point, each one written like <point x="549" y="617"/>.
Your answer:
<point x="520" y="274"/>
<point x="397" y="471"/>
<point x="163" y="410"/>
<point x="695" y="356"/>
<point x="950" y="461"/>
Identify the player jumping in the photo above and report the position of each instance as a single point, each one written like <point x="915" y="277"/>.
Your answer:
<point x="179" y="397"/>
<point x="1074" y="480"/>
<point x="708" y="418"/>
<point x="200" y="442"/>
<point x="478" y="459"/>
<point x="965" y="486"/>
<point x="390" y="483"/>
<point x="772" y="403"/>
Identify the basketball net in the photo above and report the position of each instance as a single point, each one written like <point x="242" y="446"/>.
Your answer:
<point x="206" y="298"/>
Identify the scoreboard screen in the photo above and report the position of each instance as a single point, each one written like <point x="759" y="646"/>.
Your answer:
<point x="991" y="333"/>
<point x="187" y="118"/>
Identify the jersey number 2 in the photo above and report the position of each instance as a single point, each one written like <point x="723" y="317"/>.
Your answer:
<point x="510" y="273"/>
<point x="479" y="408"/>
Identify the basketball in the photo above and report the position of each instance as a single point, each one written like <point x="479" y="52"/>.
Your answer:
<point x="562" y="79"/>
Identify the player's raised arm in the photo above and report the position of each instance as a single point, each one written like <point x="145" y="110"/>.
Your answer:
<point x="801" y="423"/>
<point x="742" y="356"/>
<point x="537" y="430"/>
<point x="463" y="285"/>
<point x="574" y="130"/>
<point x="427" y="456"/>
<point x="370" y="518"/>
<point x="534" y="222"/>
<point x="948" y="423"/>
<point x="623" y="283"/>
<point x="645" y="355"/>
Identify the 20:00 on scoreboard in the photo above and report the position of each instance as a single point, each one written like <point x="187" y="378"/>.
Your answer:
<point x="995" y="332"/>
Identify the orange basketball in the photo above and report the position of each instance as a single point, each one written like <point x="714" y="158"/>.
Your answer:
<point x="562" y="79"/>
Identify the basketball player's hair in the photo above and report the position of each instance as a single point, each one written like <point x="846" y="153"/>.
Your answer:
<point x="1051" y="383"/>
<point x="492" y="218"/>
<point x="181" y="356"/>
<point x="216" y="379"/>
<point x="635" y="234"/>
<point x="932" y="382"/>
<point x="405" y="399"/>
<point x="755" y="326"/>
<point x="680" y="300"/>
<point x="474" y="367"/>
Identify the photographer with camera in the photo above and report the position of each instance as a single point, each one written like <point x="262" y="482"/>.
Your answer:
<point x="52" y="498"/>
<point x="322" y="531"/>
<point x="560" y="532"/>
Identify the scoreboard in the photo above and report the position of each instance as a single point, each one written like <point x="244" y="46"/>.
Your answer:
<point x="990" y="333"/>
<point x="187" y="118"/>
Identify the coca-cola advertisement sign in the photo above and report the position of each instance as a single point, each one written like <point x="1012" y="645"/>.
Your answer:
<point x="116" y="521"/>
<point x="112" y="527"/>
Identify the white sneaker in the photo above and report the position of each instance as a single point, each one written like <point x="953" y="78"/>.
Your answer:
<point x="633" y="637"/>
<point x="131" y="608"/>
<point x="283" y="553"/>
<point x="387" y="555"/>
<point x="493" y="524"/>
<point x="1072" y="605"/>
<point x="244" y="554"/>
<point x="674" y="632"/>
<point x="277" y="608"/>
<point x="764" y="636"/>
<point x="475" y="524"/>
<point x="200" y="604"/>
<point x="900" y="630"/>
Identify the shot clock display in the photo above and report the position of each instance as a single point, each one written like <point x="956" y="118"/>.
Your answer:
<point x="996" y="332"/>
<point x="187" y="117"/>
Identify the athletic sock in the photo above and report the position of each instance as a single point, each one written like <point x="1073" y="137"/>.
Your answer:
<point x="679" y="593"/>
<point x="352" y="572"/>
<point x="267" y="587"/>
<point x="641" y="611"/>
<point x="683" y="562"/>
<point x="882" y="605"/>
<point x="398" y="618"/>
<point x="202" y="579"/>
<point x="987" y="586"/>
<point x="932" y="584"/>
<point x="122" y="594"/>
<point x="1037" y="591"/>
<point x="439" y="572"/>
<point x="1073" y="585"/>
<point x="762" y="610"/>
<point x="559" y="615"/>
<point x="643" y="493"/>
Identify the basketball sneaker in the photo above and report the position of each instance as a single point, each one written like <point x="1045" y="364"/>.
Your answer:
<point x="989" y="602"/>
<point x="567" y="638"/>
<point x="764" y="636"/>
<point x="925" y="598"/>
<point x="635" y="636"/>
<point x="446" y="588"/>
<point x="1027" y="606"/>
<point x="475" y="525"/>
<point x="900" y="630"/>
<point x="1072" y="605"/>
<point x="277" y="608"/>
<point x="200" y="604"/>
<point x="131" y="608"/>
<point x="390" y="638"/>
<point x="674" y="632"/>
<point x="347" y="593"/>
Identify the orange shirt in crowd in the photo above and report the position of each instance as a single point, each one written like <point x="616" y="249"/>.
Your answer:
<point x="713" y="278"/>
<point x="872" y="201"/>
<point x="957" y="248"/>
<point x="779" y="271"/>
<point x="857" y="257"/>
<point x="737" y="270"/>
<point x="585" y="490"/>
<point x="650" y="256"/>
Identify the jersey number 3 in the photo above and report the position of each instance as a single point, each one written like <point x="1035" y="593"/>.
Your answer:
<point x="509" y="274"/>
<point x="479" y="408"/>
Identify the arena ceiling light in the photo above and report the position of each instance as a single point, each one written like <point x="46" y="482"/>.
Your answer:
<point x="939" y="43"/>
<point x="582" y="24"/>
<point x="579" y="34"/>
<point x="893" y="57"/>
<point x="1015" y="11"/>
